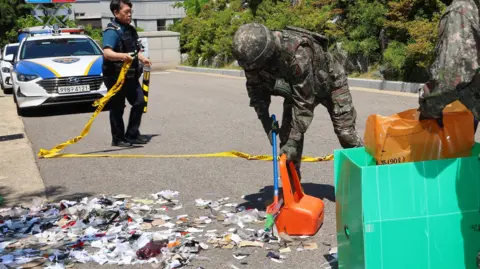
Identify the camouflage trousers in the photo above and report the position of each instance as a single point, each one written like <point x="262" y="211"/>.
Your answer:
<point x="342" y="114"/>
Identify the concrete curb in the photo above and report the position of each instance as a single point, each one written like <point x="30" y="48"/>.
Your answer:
<point x="382" y="85"/>
<point x="20" y="178"/>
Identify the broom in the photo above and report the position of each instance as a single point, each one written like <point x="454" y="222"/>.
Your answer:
<point x="274" y="208"/>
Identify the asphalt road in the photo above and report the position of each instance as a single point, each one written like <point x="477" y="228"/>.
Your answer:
<point x="194" y="113"/>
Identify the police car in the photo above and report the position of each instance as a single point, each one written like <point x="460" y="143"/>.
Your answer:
<point x="6" y="67"/>
<point x="60" y="67"/>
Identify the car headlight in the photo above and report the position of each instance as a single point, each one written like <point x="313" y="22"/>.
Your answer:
<point x="5" y="70"/>
<point x="24" y="78"/>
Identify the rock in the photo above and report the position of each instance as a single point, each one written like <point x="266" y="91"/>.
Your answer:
<point x="378" y="74"/>
<point x="217" y="61"/>
<point x="206" y="62"/>
<point x="184" y="58"/>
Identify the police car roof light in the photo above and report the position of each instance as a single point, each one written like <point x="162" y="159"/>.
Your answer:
<point x="58" y="31"/>
<point x="73" y="30"/>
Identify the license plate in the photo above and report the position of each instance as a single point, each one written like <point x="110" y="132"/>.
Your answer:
<point x="74" y="89"/>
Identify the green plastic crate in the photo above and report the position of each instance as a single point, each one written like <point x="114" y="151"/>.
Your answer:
<point x="405" y="216"/>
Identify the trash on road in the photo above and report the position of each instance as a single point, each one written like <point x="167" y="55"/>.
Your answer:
<point x="126" y="230"/>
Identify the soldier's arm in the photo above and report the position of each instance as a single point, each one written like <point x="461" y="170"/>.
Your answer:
<point x="303" y="92"/>
<point x="260" y="99"/>
<point x="455" y="63"/>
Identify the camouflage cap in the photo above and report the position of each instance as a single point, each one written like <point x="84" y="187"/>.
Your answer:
<point x="253" y="45"/>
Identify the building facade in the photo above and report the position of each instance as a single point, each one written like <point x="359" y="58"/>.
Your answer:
<point x="150" y="15"/>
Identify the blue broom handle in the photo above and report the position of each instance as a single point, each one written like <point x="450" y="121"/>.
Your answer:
<point x="275" y="162"/>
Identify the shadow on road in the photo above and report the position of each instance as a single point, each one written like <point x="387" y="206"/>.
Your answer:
<point x="53" y="194"/>
<point x="11" y="137"/>
<point x="58" y="110"/>
<point x="264" y="197"/>
<point x="150" y="136"/>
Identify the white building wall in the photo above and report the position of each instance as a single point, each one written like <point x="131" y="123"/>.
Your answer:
<point x="147" y="25"/>
<point x="145" y="12"/>
<point x="87" y="9"/>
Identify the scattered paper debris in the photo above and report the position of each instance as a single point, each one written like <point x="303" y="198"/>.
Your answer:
<point x="126" y="231"/>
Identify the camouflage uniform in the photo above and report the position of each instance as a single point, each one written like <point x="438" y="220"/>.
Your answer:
<point x="454" y="73"/>
<point x="293" y="64"/>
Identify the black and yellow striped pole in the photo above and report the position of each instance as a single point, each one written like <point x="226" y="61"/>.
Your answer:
<point x="146" y="85"/>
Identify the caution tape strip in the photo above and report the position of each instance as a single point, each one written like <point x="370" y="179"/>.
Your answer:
<point x="226" y="154"/>
<point x="100" y="104"/>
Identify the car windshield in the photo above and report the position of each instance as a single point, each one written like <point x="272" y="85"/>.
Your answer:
<point x="60" y="47"/>
<point x="11" y="50"/>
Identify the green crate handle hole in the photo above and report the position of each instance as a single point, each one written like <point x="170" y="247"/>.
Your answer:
<point x="347" y="232"/>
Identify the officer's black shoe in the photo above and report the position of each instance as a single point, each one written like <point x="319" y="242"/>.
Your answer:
<point x="138" y="140"/>
<point x="146" y="138"/>
<point x="120" y="143"/>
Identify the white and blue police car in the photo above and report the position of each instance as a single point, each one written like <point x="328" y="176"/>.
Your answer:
<point x="6" y="67"/>
<point x="57" y="68"/>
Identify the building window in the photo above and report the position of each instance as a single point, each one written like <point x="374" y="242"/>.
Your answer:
<point x="161" y="25"/>
<point x="79" y="14"/>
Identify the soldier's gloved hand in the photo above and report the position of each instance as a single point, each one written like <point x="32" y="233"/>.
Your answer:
<point x="290" y="149"/>
<point x="273" y="128"/>
<point x="425" y="117"/>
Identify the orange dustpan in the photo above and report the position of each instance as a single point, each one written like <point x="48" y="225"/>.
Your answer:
<point x="301" y="214"/>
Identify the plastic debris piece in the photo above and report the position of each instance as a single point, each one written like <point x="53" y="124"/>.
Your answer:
<point x="201" y="203"/>
<point x="240" y="256"/>
<point x="150" y="250"/>
<point x="251" y="244"/>
<point x="275" y="257"/>
<point x="276" y="260"/>
<point x="236" y="238"/>
<point x="203" y="246"/>
<point x="158" y="222"/>
<point x="146" y="226"/>
<point x="310" y="246"/>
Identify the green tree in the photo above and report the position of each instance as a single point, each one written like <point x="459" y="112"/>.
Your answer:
<point x="10" y="12"/>
<point x="94" y="33"/>
<point x="409" y="27"/>
<point x="362" y="28"/>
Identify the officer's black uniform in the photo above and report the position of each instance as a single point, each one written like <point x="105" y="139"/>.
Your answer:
<point x="132" y="90"/>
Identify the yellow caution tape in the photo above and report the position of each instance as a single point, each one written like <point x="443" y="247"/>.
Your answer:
<point x="44" y="153"/>
<point x="226" y="154"/>
<point x="54" y="152"/>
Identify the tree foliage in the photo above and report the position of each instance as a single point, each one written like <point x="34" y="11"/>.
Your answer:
<point x="10" y="13"/>
<point x="397" y="35"/>
<point x="16" y="15"/>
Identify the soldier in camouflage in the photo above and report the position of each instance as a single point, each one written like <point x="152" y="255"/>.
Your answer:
<point x="294" y="64"/>
<point x="454" y="73"/>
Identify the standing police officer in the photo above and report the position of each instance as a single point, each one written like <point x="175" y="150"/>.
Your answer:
<point x="120" y="39"/>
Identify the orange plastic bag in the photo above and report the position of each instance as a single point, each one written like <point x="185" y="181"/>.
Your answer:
<point x="403" y="138"/>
